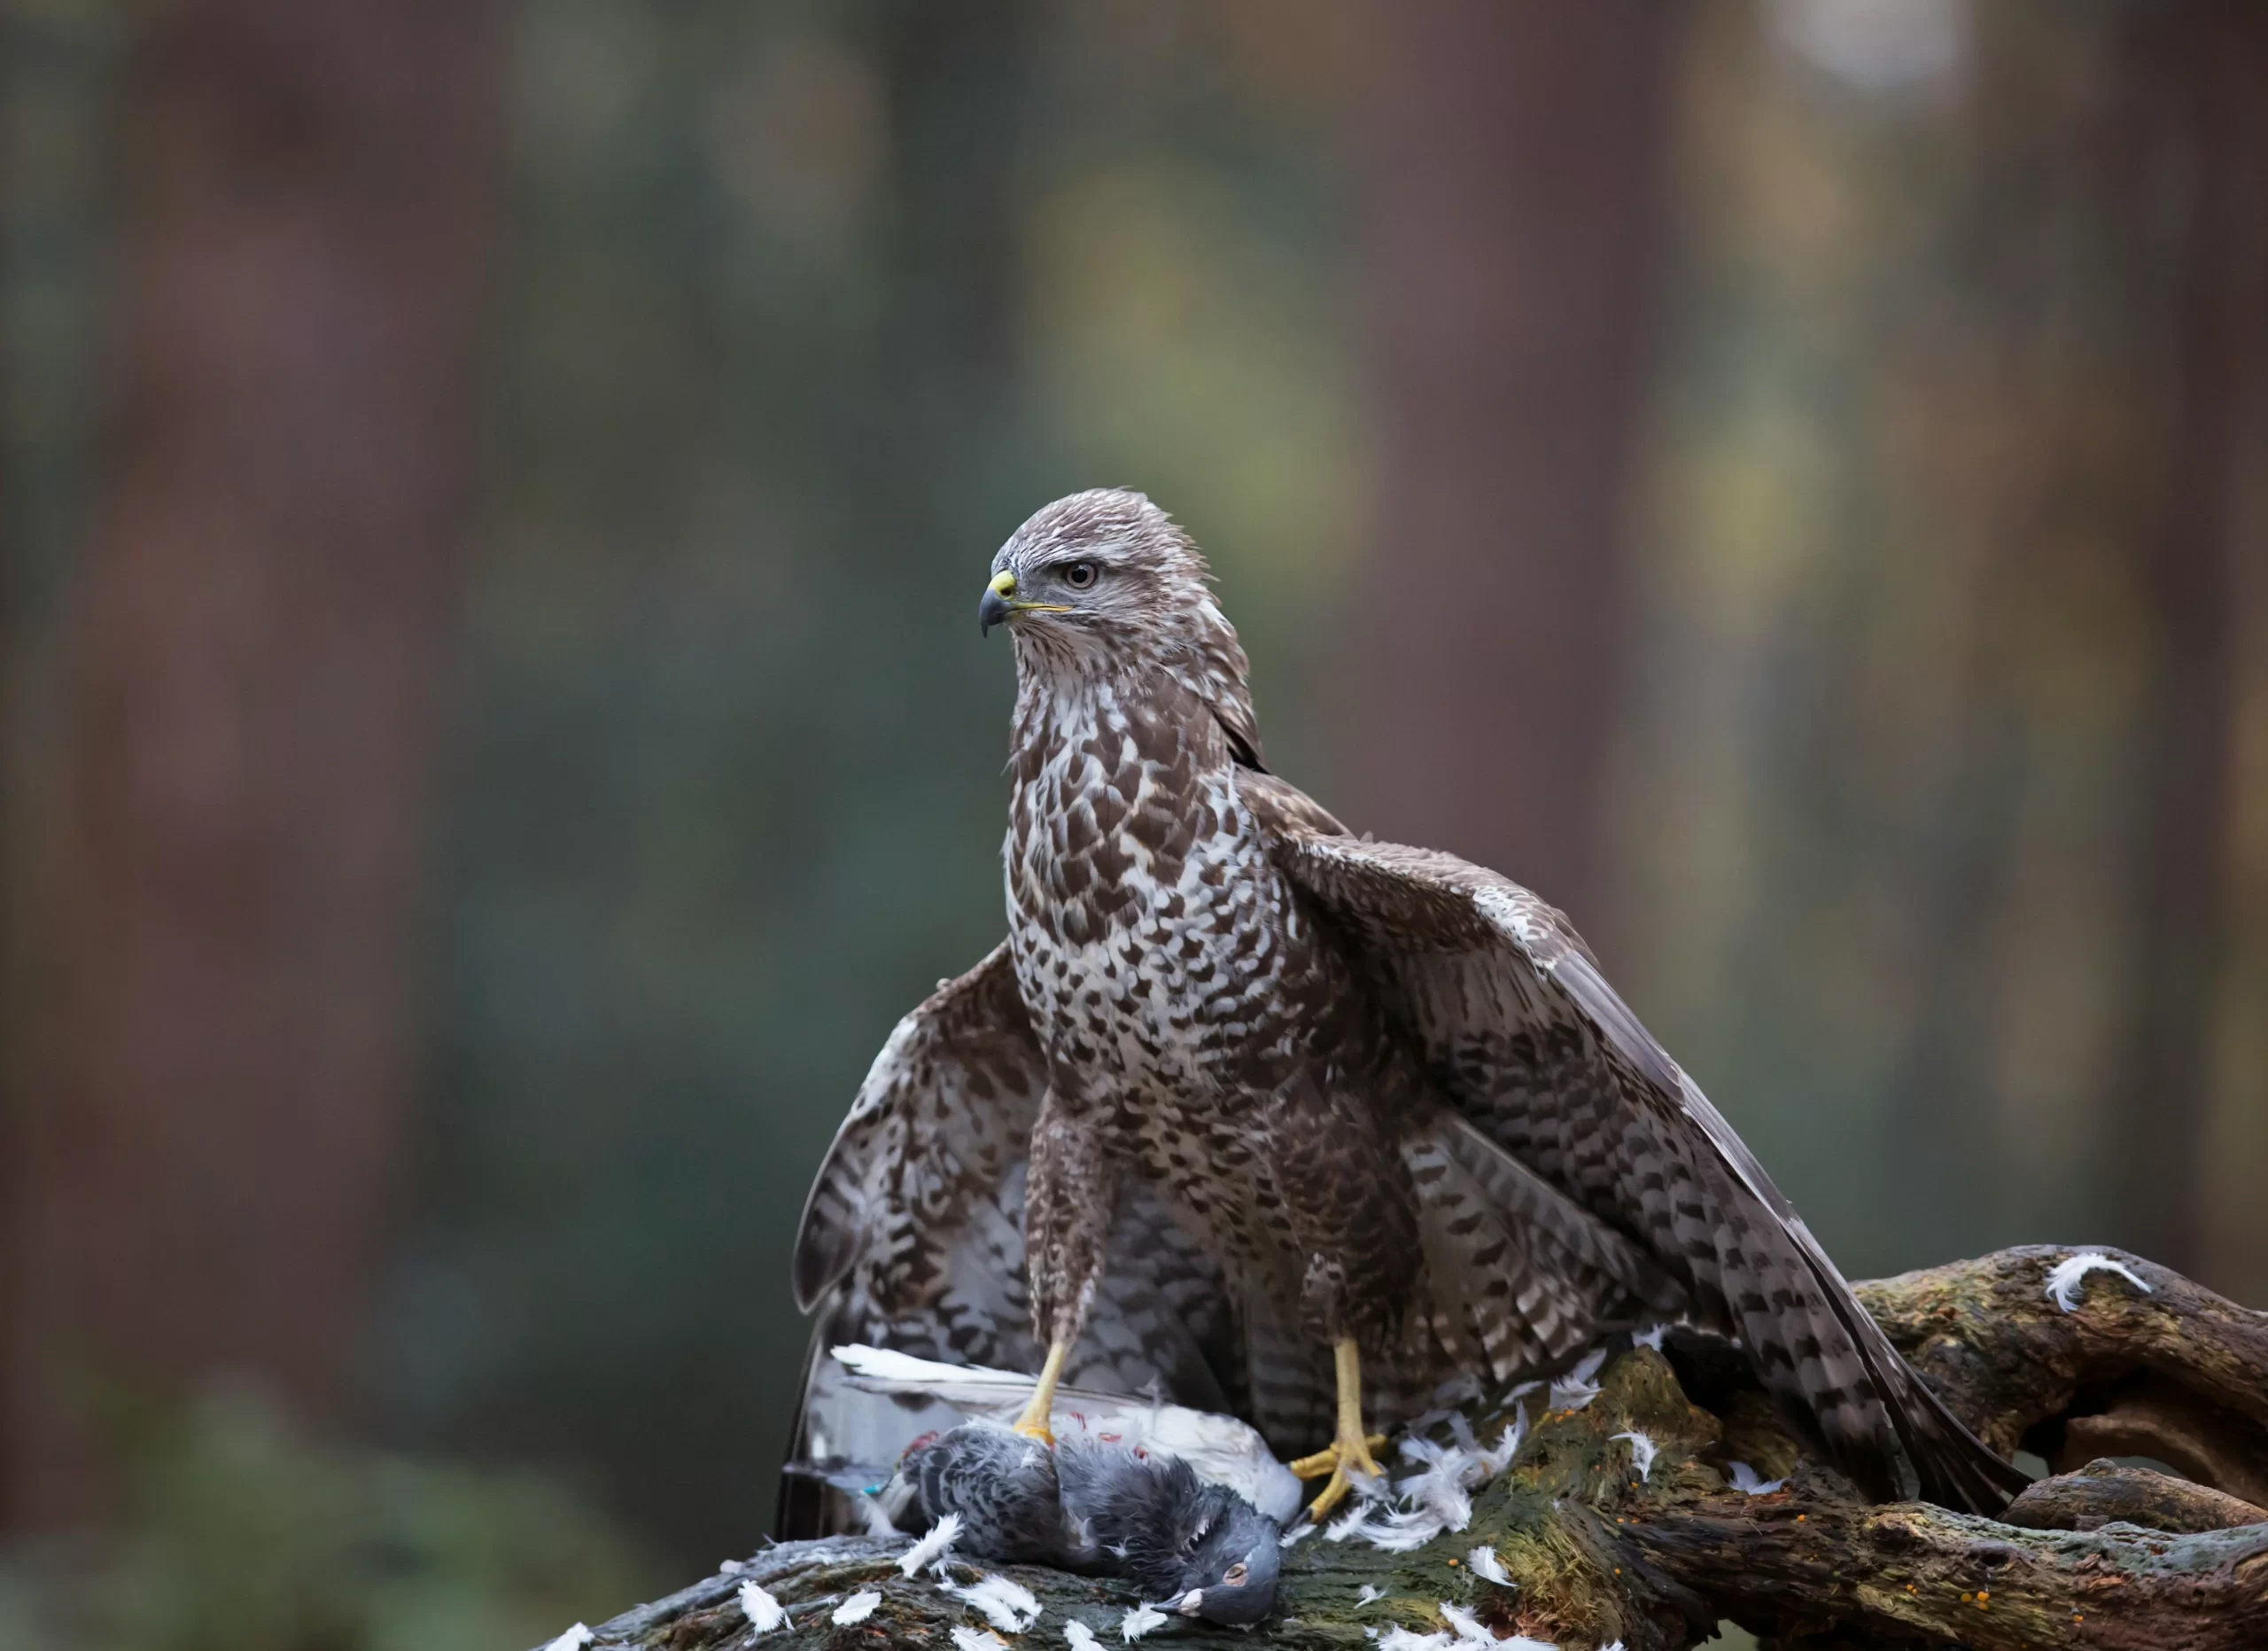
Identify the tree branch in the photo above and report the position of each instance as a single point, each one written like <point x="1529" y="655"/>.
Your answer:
<point x="1596" y="1552"/>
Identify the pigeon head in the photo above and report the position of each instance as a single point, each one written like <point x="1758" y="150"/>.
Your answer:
<point x="1228" y="1562"/>
<point x="1195" y="1548"/>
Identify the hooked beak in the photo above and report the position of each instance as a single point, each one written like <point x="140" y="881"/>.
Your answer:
<point x="995" y="607"/>
<point x="1000" y="602"/>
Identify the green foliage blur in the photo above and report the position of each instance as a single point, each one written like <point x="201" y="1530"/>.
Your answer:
<point x="242" y="1534"/>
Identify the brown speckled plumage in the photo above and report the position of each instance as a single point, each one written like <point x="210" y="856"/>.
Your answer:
<point x="1272" y="1085"/>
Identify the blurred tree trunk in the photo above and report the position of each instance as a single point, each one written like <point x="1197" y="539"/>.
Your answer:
<point x="260" y="642"/>
<point x="1516" y="221"/>
<point x="2212" y="61"/>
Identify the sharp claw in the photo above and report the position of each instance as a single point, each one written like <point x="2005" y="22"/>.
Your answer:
<point x="1316" y="1466"/>
<point x="1333" y="1494"/>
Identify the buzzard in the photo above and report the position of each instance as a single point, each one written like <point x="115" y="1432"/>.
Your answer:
<point x="1286" y="1121"/>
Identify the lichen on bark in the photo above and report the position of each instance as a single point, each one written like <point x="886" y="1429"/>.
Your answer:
<point x="1597" y="1552"/>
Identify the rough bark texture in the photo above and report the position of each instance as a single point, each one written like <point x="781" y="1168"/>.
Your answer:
<point x="2106" y="1557"/>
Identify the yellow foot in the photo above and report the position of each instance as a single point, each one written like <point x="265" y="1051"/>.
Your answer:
<point x="1033" y="1423"/>
<point x="1323" y="1462"/>
<point x="1342" y="1460"/>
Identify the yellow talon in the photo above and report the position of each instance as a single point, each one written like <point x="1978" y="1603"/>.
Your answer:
<point x="1350" y="1452"/>
<point x="1324" y="1460"/>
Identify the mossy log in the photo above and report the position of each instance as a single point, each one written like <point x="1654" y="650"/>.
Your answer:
<point x="1597" y="1552"/>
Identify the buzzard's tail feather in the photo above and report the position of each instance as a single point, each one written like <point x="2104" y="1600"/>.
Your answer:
<point x="1953" y="1467"/>
<point x="1824" y="1354"/>
<point x="1495" y="1306"/>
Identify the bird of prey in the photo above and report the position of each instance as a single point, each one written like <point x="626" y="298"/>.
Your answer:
<point x="1296" y="1124"/>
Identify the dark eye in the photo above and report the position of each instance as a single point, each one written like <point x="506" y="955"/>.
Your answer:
<point x="1235" y="1575"/>
<point x="1079" y="575"/>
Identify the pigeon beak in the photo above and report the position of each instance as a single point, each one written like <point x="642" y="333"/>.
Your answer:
<point x="1190" y="1603"/>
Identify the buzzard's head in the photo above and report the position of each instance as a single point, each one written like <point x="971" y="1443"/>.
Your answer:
<point x="1104" y="574"/>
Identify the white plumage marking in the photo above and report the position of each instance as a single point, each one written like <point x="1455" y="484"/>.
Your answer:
<point x="2063" y="1278"/>
<point x="574" y="1640"/>
<point x="1642" y="1451"/>
<point x="1138" y="1622"/>
<point x="764" y="1613"/>
<point x="1485" y="1564"/>
<point x="933" y="1545"/>
<point x="857" y="1608"/>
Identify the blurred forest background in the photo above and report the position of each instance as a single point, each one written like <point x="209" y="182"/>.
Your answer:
<point x="493" y="734"/>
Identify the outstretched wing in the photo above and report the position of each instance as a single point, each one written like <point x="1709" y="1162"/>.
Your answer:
<point x="912" y="1239"/>
<point x="1529" y="1042"/>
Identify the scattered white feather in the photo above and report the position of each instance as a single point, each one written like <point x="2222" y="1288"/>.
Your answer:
<point x="1402" y="1639"/>
<point x="1459" y="1389"/>
<point x="857" y="1608"/>
<point x="933" y="1545"/>
<point x="1079" y="1637"/>
<point x="764" y="1613"/>
<point x="1005" y="1603"/>
<point x="1370" y="1591"/>
<point x="1577" y="1387"/>
<point x="1394" y="1531"/>
<point x="574" y="1640"/>
<point x="730" y="1567"/>
<point x="1297" y="1534"/>
<point x="1138" y="1622"/>
<point x="1487" y="1566"/>
<point x="1440" y="1484"/>
<point x="1515" y="1435"/>
<point x="1744" y="1480"/>
<point x="967" y="1638"/>
<point x="1468" y="1627"/>
<point x="1642" y="1451"/>
<point x="1522" y="1642"/>
<point x="2063" y="1278"/>
<point x="1651" y="1335"/>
